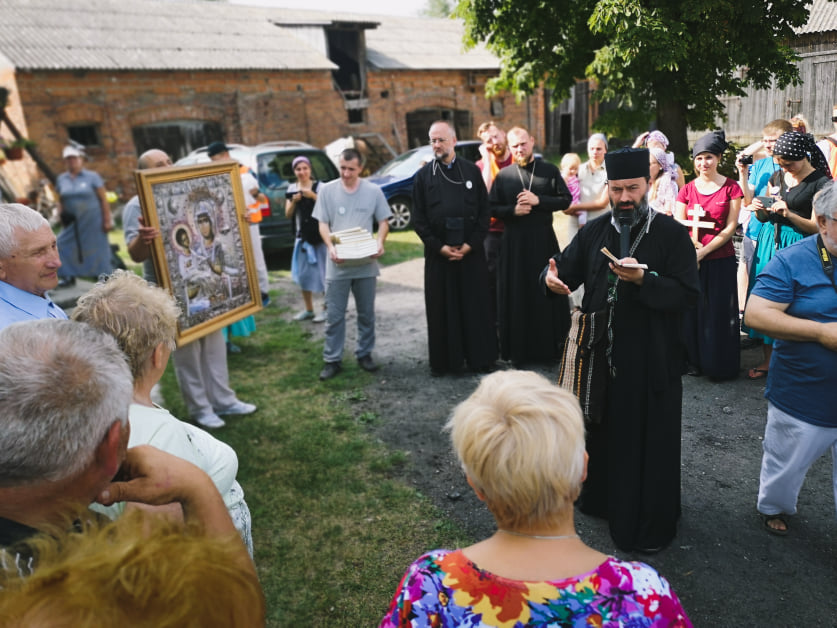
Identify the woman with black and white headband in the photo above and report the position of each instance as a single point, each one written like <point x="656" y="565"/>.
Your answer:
<point x="803" y="172"/>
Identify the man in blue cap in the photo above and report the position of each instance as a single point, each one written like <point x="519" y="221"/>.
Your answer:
<point x="633" y="477"/>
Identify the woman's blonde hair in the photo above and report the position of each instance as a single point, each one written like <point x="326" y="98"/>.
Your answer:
<point x="138" y="314"/>
<point x="135" y="571"/>
<point x="520" y="440"/>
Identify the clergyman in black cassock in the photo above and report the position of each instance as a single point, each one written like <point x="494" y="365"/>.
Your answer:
<point x="633" y="476"/>
<point x="525" y="195"/>
<point x="450" y="215"/>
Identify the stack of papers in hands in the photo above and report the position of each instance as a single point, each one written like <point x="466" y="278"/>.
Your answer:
<point x="354" y="244"/>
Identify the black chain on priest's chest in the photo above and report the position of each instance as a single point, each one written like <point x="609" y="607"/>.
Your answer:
<point x="531" y="176"/>
<point x="441" y="169"/>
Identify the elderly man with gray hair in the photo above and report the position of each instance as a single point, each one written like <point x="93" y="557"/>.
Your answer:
<point x="795" y="302"/>
<point x="65" y="389"/>
<point x="64" y="394"/>
<point x="29" y="265"/>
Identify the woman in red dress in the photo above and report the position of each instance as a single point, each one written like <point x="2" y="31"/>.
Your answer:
<point x="711" y="327"/>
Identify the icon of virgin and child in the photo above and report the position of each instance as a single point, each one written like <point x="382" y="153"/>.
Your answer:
<point x="207" y="268"/>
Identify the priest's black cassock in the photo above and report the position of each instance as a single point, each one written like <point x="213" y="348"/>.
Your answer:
<point x="633" y="476"/>
<point x="450" y="206"/>
<point x="532" y="328"/>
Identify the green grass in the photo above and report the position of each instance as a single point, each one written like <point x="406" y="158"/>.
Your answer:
<point x="117" y="236"/>
<point x="401" y="246"/>
<point x="333" y="525"/>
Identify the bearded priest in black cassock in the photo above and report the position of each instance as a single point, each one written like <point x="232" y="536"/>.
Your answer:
<point x="525" y="195"/>
<point x="633" y="476"/>
<point x="450" y="215"/>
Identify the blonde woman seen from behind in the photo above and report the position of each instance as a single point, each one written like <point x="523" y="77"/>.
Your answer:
<point x="520" y="441"/>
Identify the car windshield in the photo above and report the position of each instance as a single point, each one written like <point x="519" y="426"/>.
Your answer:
<point x="276" y="168"/>
<point x="407" y="164"/>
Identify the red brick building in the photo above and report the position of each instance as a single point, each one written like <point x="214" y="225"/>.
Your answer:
<point x="121" y="77"/>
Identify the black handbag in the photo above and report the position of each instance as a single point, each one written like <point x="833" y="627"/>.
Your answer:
<point x="67" y="218"/>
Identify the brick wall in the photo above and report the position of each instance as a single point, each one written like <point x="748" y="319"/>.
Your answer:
<point x="20" y="176"/>
<point x="251" y="107"/>
<point x="411" y="90"/>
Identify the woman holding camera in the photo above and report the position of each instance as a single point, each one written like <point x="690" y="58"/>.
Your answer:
<point x="308" y="262"/>
<point x="803" y="172"/>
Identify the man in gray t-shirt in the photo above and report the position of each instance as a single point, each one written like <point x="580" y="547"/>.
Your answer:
<point x="343" y="204"/>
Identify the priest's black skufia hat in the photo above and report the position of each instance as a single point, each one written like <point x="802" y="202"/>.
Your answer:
<point x="627" y="163"/>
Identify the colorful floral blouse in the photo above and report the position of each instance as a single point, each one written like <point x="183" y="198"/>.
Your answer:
<point x="443" y="588"/>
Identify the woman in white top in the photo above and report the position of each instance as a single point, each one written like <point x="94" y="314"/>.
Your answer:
<point x="592" y="177"/>
<point x="143" y="319"/>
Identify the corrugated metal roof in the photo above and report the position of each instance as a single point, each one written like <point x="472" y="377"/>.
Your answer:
<point x="148" y="35"/>
<point x="403" y="43"/>
<point x="196" y="35"/>
<point x="823" y="18"/>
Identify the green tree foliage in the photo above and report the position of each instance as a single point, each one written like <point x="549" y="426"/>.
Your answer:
<point x="438" y="8"/>
<point x="667" y="60"/>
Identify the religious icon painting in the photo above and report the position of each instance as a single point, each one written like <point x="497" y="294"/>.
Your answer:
<point x="203" y="255"/>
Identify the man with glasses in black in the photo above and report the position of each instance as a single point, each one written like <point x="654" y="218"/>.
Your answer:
<point x="450" y="215"/>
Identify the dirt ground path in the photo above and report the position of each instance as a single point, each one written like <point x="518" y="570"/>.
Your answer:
<point x="726" y="569"/>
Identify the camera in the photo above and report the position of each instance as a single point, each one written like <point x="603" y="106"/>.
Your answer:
<point x="745" y="160"/>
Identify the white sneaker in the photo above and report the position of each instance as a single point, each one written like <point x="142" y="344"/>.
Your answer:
<point x="304" y="315"/>
<point x="210" y="421"/>
<point x="320" y="318"/>
<point x="239" y="407"/>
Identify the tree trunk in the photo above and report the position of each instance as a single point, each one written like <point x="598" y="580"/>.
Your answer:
<point x="671" y="118"/>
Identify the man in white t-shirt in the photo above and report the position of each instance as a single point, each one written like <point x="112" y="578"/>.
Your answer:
<point x="343" y="204"/>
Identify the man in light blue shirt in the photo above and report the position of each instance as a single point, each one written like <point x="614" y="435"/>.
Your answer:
<point x="795" y="302"/>
<point x="29" y="266"/>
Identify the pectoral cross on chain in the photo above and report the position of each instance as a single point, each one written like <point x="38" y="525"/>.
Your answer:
<point x="695" y="222"/>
